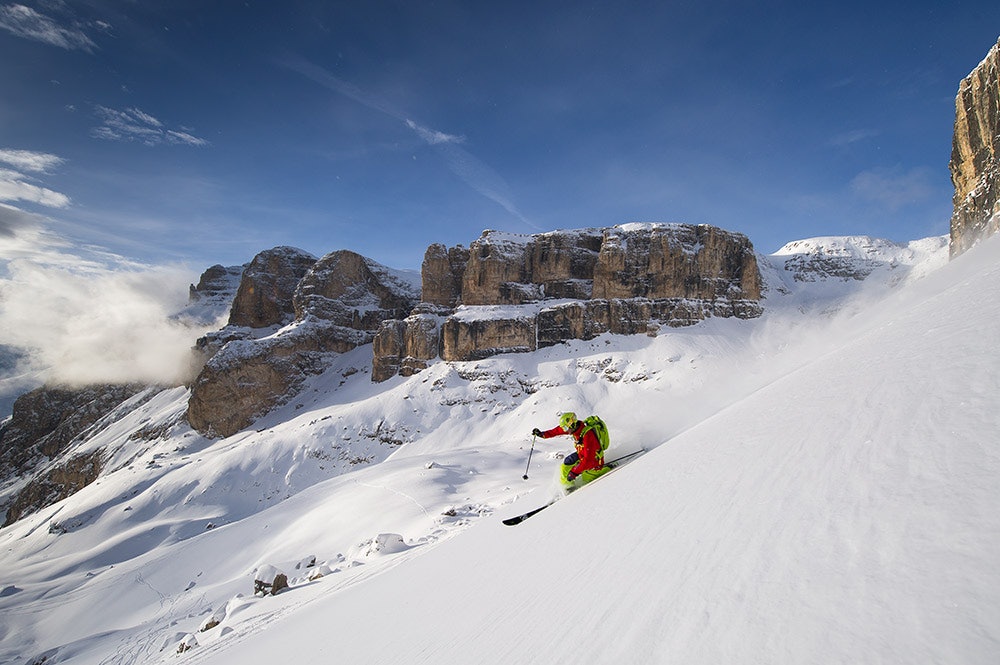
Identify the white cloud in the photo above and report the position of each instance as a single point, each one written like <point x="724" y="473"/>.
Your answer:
<point x="14" y="219"/>
<point x="15" y="186"/>
<point x="36" y="162"/>
<point x="134" y="124"/>
<point x="184" y="138"/>
<point x="434" y="137"/>
<point x="852" y="137"/>
<point x="88" y="316"/>
<point x="29" y="24"/>
<point x="13" y="189"/>
<point x="894" y="188"/>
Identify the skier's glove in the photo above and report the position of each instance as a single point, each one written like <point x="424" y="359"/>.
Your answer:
<point x="536" y="432"/>
<point x="571" y="476"/>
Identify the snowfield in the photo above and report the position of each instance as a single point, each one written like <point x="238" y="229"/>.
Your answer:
<point x="821" y="486"/>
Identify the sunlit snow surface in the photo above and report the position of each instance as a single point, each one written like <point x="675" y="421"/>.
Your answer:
<point x="821" y="488"/>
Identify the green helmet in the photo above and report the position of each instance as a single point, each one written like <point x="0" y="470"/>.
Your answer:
<point x="568" y="421"/>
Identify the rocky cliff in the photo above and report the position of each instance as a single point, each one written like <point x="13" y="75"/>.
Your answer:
<point x="508" y="292"/>
<point x="337" y="304"/>
<point x="212" y="297"/>
<point x="44" y="424"/>
<point x="975" y="170"/>
<point x="264" y="297"/>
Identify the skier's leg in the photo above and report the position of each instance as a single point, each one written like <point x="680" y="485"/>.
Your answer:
<point x="593" y="474"/>
<point x="568" y="463"/>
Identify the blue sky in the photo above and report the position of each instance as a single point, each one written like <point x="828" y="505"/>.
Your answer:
<point x="203" y="132"/>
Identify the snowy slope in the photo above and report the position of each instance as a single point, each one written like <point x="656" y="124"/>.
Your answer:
<point x="823" y="491"/>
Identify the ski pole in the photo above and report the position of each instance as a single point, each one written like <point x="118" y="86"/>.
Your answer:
<point x="525" y="476"/>
<point x="625" y="457"/>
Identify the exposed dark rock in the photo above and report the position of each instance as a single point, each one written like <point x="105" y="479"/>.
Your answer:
<point x="480" y="338"/>
<point x="44" y="425"/>
<point x="55" y="485"/>
<point x="46" y="420"/>
<point x="349" y="290"/>
<point x="506" y="269"/>
<point x="217" y="282"/>
<point x="405" y="346"/>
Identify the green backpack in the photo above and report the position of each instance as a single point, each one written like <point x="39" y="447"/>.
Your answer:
<point x="600" y="429"/>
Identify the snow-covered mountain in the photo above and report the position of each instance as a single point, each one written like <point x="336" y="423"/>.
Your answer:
<point x="820" y="486"/>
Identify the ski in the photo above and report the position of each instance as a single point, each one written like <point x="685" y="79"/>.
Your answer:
<point x="613" y="464"/>
<point x="517" y="519"/>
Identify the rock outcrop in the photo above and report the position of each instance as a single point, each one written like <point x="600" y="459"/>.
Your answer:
<point x="217" y="283"/>
<point x="676" y="261"/>
<point x="54" y="485"/>
<point x="625" y="279"/>
<point x="441" y="275"/>
<point x="46" y="420"/>
<point x="511" y="269"/>
<point x="269" y="282"/>
<point x="975" y="169"/>
<point x="44" y="424"/>
<point x="405" y="346"/>
<point x="338" y="304"/>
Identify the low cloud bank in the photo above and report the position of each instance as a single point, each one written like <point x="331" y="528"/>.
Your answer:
<point x="85" y="316"/>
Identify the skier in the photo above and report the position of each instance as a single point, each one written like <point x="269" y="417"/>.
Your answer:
<point x="587" y="463"/>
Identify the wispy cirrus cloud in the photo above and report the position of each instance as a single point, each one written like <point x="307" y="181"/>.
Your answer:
<point x="27" y="23"/>
<point x="894" y="188"/>
<point x="470" y="169"/>
<point x="17" y="186"/>
<point x="27" y="160"/>
<point x="433" y="137"/>
<point x="134" y="124"/>
<point x="852" y="137"/>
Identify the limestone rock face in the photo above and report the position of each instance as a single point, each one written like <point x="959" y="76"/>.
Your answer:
<point x="676" y="261"/>
<point x="625" y="279"/>
<point x="511" y="269"/>
<point x="268" y="285"/>
<point x="216" y="282"/>
<point x="248" y="378"/>
<point x="632" y="316"/>
<point x="476" y="339"/>
<point x="441" y="275"/>
<point x="975" y="170"/>
<point x="349" y="290"/>
<point x="404" y="347"/>
<point x="212" y="298"/>
<point x="339" y="304"/>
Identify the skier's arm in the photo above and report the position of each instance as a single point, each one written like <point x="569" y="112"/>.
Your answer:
<point x="555" y="431"/>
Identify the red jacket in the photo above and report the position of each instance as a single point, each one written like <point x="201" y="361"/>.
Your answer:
<point x="588" y="447"/>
